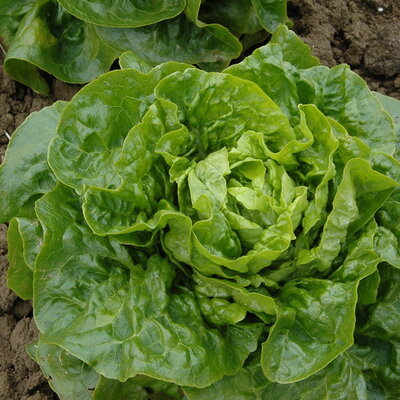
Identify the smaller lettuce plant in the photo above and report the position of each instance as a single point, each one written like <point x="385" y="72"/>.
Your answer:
<point x="77" y="40"/>
<point x="210" y="235"/>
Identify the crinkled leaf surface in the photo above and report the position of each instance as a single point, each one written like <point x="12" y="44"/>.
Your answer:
<point x="340" y="380"/>
<point x="120" y="13"/>
<point x="234" y="233"/>
<point x="344" y="96"/>
<point x="24" y="173"/>
<point x="137" y="388"/>
<point x="76" y="41"/>
<point x="392" y="106"/>
<point x="178" y="39"/>
<point x="314" y="325"/>
<point x="137" y="321"/>
<point x="103" y="123"/>
<point x="20" y="276"/>
<point x="10" y="17"/>
<point x="58" y="43"/>
<point x="68" y="376"/>
<point x="238" y="15"/>
<point x="271" y="13"/>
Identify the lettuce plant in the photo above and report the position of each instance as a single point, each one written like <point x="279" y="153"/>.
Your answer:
<point x="78" y="40"/>
<point x="212" y="235"/>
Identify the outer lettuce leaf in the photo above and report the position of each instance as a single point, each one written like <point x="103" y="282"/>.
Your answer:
<point x="340" y="380"/>
<point x="343" y="95"/>
<point x="245" y="16"/>
<point x="64" y="234"/>
<point x="67" y="45"/>
<point x="380" y="365"/>
<point x="8" y="28"/>
<point x="132" y="13"/>
<point x="271" y="13"/>
<point x="24" y="173"/>
<point x="314" y="325"/>
<point x="68" y="376"/>
<point x="383" y="316"/>
<point x="56" y="42"/>
<point x="20" y="276"/>
<point x="25" y="238"/>
<point x="10" y="17"/>
<point x="392" y="106"/>
<point x="365" y="372"/>
<point x="110" y="389"/>
<point x="179" y="39"/>
<point x="270" y="67"/>
<point x="135" y="389"/>
<point x="319" y="311"/>
<point x="129" y="59"/>
<point x="238" y="16"/>
<point x="72" y="379"/>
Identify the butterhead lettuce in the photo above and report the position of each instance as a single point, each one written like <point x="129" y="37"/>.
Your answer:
<point x="212" y="235"/>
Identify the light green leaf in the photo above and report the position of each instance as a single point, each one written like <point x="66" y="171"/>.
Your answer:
<point x="271" y="13"/>
<point x="20" y="276"/>
<point x="271" y="68"/>
<point x="103" y="120"/>
<point x="360" y="194"/>
<point x="24" y="174"/>
<point x="343" y="95"/>
<point x="242" y="107"/>
<point x="392" y="106"/>
<point x="220" y="288"/>
<point x="129" y="59"/>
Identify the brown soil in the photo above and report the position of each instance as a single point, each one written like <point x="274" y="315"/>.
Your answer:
<point x="362" y="33"/>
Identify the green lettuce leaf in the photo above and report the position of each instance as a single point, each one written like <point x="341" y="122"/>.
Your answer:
<point x="340" y="380"/>
<point x="164" y="331"/>
<point x="56" y="42"/>
<point x="392" y="106"/>
<point x="179" y="39"/>
<point x="25" y="173"/>
<point x="229" y="235"/>
<point x="68" y="376"/>
<point x="76" y="41"/>
<point x="10" y="17"/>
<point x="20" y="275"/>
<point x="132" y="13"/>
<point x="125" y="107"/>
<point x="140" y="387"/>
